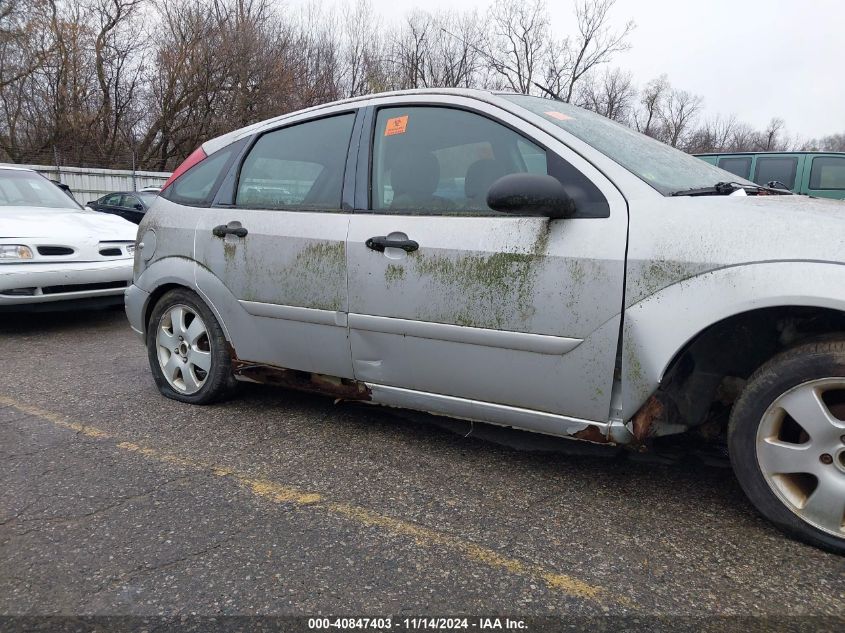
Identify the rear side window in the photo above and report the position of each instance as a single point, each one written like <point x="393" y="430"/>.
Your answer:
<point x="778" y="168"/>
<point x="442" y="161"/>
<point x="197" y="185"/>
<point x="297" y="167"/>
<point x="737" y="165"/>
<point x="828" y="172"/>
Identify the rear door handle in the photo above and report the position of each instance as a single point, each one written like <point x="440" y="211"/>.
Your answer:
<point x="381" y="242"/>
<point x="233" y="228"/>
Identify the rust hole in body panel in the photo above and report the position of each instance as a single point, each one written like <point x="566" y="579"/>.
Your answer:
<point x="644" y="421"/>
<point x="592" y="434"/>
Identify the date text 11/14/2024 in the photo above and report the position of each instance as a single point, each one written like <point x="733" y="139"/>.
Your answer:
<point x="417" y="624"/>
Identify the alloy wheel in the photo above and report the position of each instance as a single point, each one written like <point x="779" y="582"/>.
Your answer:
<point x="801" y="452"/>
<point x="183" y="349"/>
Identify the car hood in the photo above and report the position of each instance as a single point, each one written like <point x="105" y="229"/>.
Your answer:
<point x="782" y="227"/>
<point x="71" y="225"/>
<point x="676" y="238"/>
<point x="733" y="230"/>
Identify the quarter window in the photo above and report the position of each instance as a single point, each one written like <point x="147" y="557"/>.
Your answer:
<point x="297" y="167"/>
<point x="737" y="165"/>
<point x="437" y="160"/>
<point x="196" y="186"/>
<point x="778" y="168"/>
<point x="828" y="172"/>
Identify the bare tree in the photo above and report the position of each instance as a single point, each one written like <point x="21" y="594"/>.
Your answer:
<point x="21" y="39"/>
<point x="411" y="51"/>
<point x="647" y="113"/>
<point x="714" y="135"/>
<point x="610" y="94"/>
<point x="595" y="43"/>
<point x="117" y="66"/>
<point x="771" y="138"/>
<point x="362" y="55"/>
<point x="25" y="44"/>
<point x="831" y="143"/>
<point x="678" y="114"/>
<point x="519" y="42"/>
<point x="455" y="61"/>
<point x="98" y="81"/>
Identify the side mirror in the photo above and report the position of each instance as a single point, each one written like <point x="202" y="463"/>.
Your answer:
<point x="530" y="194"/>
<point x="139" y="207"/>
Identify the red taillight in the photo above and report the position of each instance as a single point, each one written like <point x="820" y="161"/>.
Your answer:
<point x="198" y="155"/>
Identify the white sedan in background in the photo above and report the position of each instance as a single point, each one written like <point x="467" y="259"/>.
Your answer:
<point x="54" y="253"/>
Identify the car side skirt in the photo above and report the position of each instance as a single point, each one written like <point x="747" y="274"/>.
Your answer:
<point x="499" y="414"/>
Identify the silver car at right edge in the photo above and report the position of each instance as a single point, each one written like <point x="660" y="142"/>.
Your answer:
<point x="511" y="260"/>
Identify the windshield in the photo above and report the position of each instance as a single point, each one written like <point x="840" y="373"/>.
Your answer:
<point x="665" y="168"/>
<point x="29" y="189"/>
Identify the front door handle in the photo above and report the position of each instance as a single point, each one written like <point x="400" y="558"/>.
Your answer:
<point x="382" y="242"/>
<point x="233" y="228"/>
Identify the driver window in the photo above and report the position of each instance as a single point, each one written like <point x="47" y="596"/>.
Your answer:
<point x="442" y="161"/>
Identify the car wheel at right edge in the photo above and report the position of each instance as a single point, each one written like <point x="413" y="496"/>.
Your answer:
<point x="787" y="442"/>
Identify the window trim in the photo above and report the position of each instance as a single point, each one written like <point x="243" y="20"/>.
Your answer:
<point x="369" y="148"/>
<point x="812" y="167"/>
<point x="253" y="140"/>
<point x="793" y="177"/>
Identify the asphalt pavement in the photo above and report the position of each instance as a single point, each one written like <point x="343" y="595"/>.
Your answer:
<point x="116" y="500"/>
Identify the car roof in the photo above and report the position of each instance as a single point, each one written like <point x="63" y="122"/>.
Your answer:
<point x="16" y="168"/>
<point x="212" y="145"/>
<point x="768" y="152"/>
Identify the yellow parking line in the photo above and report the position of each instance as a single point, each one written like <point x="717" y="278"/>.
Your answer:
<point x="280" y="493"/>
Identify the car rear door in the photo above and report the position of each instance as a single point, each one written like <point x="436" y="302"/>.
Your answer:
<point x="482" y="306"/>
<point x="276" y="239"/>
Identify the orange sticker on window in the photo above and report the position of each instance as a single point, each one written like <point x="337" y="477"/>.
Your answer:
<point x="560" y="116"/>
<point x="396" y="125"/>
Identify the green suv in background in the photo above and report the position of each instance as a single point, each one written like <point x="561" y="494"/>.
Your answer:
<point x="820" y="174"/>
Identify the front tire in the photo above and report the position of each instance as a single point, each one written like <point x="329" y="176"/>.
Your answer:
<point x="786" y="438"/>
<point x="187" y="350"/>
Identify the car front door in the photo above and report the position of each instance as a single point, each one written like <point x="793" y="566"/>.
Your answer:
<point x="278" y="244"/>
<point x="449" y="299"/>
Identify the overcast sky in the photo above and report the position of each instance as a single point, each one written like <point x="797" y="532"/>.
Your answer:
<point x="754" y="58"/>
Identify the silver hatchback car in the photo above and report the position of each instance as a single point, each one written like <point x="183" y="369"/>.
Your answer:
<point x="512" y="260"/>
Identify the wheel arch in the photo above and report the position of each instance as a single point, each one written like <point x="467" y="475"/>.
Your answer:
<point x="739" y="315"/>
<point x="170" y="273"/>
<point x="157" y="294"/>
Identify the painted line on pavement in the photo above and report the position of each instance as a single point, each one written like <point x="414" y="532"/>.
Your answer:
<point x="280" y="493"/>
